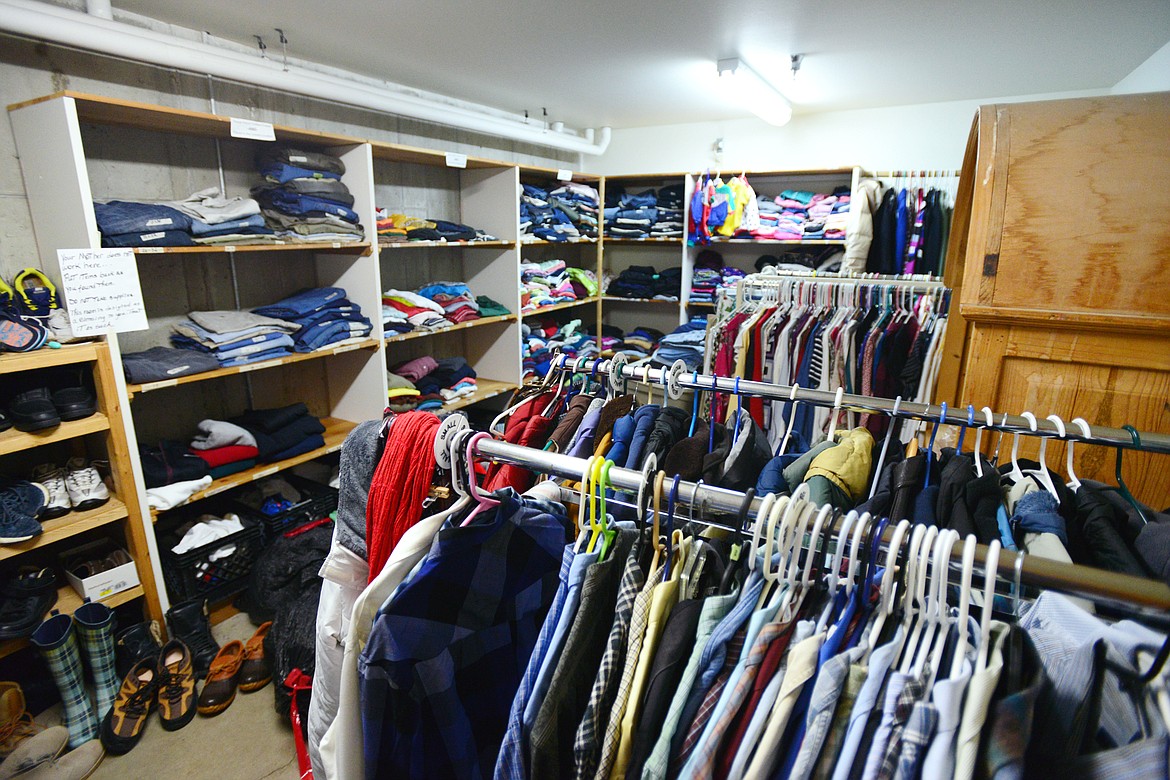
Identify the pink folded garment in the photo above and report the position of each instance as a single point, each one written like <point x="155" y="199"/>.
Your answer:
<point x="416" y="369"/>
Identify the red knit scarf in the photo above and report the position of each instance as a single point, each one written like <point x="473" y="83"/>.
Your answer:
<point x="399" y="484"/>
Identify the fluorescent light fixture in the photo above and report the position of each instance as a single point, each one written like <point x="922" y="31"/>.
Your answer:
<point x="756" y="94"/>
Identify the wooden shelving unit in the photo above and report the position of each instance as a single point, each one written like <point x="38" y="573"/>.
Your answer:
<point x="68" y="525"/>
<point x="15" y="362"/>
<point x="591" y="299"/>
<point x="397" y="245"/>
<point x="337" y="247"/>
<point x="67" y="602"/>
<point x="420" y="334"/>
<point x="13" y="440"/>
<point x="485" y="389"/>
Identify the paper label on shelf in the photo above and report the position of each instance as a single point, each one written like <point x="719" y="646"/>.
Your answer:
<point x="102" y="291"/>
<point x="256" y="131"/>
<point x="297" y="158"/>
<point x="229" y="248"/>
<point x="151" y="250"/>
<point x="268" y="472"/>
<point x="456" y="160"/>
<point x="564" y="175"/>
<point x="347" y="348"/>
<point x="159" y="385"/>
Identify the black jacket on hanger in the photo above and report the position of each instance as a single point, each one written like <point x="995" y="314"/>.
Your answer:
<point x="883" y="255"/>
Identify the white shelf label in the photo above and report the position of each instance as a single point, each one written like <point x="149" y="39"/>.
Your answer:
<point x="102" y="290"/>
<point x="230" y="248"/>
<point x="253" y="130"/>
<point x="150" y="250"/>
<point x="268" y="472"/>
<point x="146" y="388"/>
<point x="564" y="175"/>
<point x="347" y="348"/>
<point x="456" y="160"/>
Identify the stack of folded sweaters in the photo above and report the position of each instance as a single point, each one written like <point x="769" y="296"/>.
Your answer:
<point x="710" y="276"/>
<point x="541" y="340"/>
<point x="224" y="447"/>
<point x="642" y="281"/>
<point x="545" y="284"/>
<point x="399" y="228"/>
<point x="304" y="199"/>
<point x="204" y="217"/>
<point x="427" y="384"/>
<point x="235" y="338"/>
<point x="636" y="344"/>
<point x="685" y="343"/>
<point x="567" y="213"/>
<point x="434" y="307"/>
<point x="455" y="298"/>
<point x="796" y="215"/>
<point x="324" y="314"/>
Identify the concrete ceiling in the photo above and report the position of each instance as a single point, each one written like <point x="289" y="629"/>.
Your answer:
<point x="629" y="64"/>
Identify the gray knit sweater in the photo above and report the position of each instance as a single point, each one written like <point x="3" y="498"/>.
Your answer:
<point x="359" y="458"/>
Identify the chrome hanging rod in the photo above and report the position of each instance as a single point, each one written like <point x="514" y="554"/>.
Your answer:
<point x="1009" y="423"/>
<point x="1135" y="595"/>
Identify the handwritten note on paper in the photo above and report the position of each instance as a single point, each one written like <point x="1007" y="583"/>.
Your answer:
<point x="102" y="291"/>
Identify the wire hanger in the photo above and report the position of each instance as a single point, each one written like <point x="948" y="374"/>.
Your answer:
<point x="886" y="445"/>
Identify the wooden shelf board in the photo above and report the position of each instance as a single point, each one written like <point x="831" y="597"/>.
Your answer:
<point x="560" y="306"/>
<point x="69" y="525"/>
<point x="348" y="248"/>
<point x="541" y="242"/>
<point x="707" y="304"/>
<point x="777" y="242"/>
<point x="12" y="362"/>
<point x="800" y="172"/>
<point x="13" y="440"/>
<point x="146" y="387"/>
<point x="485" y="389"/>
<point x="445" y="244"/>
<point x="418" y="334"/>
<point x="618" y="299"/>
<point x="67" y="602"/>
<point x="335" y="432"/>
<point x="539" y="171"/>
<point x="101" y="110"/>
<point x="649" y="241"/>
<point x="402" y="153"/>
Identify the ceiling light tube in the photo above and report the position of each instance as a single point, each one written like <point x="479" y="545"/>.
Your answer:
<point x="753" y="92"/>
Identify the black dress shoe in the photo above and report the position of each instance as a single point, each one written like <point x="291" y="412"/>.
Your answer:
<point x="33" y="410"/>
<point x="71" y="394"/>
<point x="26" y="599"/>
<point x="5" y="423"/>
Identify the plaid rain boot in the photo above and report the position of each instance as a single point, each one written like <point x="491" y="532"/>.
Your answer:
<point x="95" y="626"/>
<point x="58" y="644"/>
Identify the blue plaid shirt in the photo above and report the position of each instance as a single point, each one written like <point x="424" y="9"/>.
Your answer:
<point x="445" y="657"/>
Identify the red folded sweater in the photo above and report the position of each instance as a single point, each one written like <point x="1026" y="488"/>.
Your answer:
<point x="221" y="456"/>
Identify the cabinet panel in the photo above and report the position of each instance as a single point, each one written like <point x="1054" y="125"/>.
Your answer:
<point x="1071" y="374"/>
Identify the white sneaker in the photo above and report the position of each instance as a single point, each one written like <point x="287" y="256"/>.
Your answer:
<point x="85" y="486"/>
<point x="53" y="478"/>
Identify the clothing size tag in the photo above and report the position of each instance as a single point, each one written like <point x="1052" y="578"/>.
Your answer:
<point x="564" y="175"/>
<point x="253" y="130"/>
<point x="456" y="160"/>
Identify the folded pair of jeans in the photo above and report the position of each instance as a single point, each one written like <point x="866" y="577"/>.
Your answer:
<point x="119" y="217"/>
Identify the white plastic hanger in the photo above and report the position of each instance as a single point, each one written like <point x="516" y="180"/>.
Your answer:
<point x="1073" y="481"/>
<point x="758" y="526"/>
<point x="943" y="611"/>
<point x="1016" y="474"/>
<point x="586" y="490"/>
<point x="1041" y="474"/>
<point x="791" y="418"/>
<point x="885" y="446"/>
<point x="964" y="603"/>
<point x="839" y="552"/>
<point x="909" y="609"/>
<point x="931" y="617"/>
<point x="855" y="552"/>
<point x="990" y="419"/>
<point x="836" y="412"/>
<point x="990" y="567"/>
<point x="911" y="646"/>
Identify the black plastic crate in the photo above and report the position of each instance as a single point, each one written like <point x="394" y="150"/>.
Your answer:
<point x="193" y="574"/>
<point x="317" y="501"/>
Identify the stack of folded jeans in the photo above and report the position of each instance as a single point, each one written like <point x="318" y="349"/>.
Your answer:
<point x="403" y="311"/>
<point x="325" y="316"/>
<point x="282" y="433"/>
<point x="642" y="281"/>
<point x="544" y="284"/>
<point x="454" y="298"/>
<point x="304" y="199"/>
<point x="235" y="338"/>
<point x="216" y="220"/>
<point x="545" y="218"/>
<point x="685" y="343"/>
<point x="640" y="343"/>
<point x="129" y="224"/>
<point x="542" y="340"/>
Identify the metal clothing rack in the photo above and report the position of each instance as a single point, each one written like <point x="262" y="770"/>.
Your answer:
<point x="1126" y="438"/>
<point x="1149" y="599"/>
<point x="909" y="174"/>
<point x="779" y="275"/>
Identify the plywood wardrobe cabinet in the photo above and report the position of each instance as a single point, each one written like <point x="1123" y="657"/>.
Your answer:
<point x="1060" y="264"/>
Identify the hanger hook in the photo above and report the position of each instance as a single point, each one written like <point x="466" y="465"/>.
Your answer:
<point x="1019" y="571"/>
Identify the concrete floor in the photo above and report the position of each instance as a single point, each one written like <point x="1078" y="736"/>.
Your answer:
<point x="248" y="741"/>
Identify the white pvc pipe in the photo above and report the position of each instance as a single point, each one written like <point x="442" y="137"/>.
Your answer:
<point x="82" y="31"/>
<point x="99" y="8"/>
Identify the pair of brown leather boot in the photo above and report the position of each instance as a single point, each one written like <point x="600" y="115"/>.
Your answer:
<point x="237" y="665"/>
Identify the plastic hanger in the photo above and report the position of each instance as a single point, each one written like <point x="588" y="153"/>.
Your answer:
<point x="1124" y="490"/>
<point x="1041" y="474"/>
<point x="989" y="420"/>
<point x="885" y="445"/>
<point x="601" y="530"/>
<point x="963" y="430"/>
<point x="738" y="552"/>
<point x="1073" y="481"/>
<point x="942" y="628"/>
<point x="999" y="441"/>
<point x="964" y="604"/>
<point x="791" y="418"/>
<point x="695" y="405"/>
<point x="990" y="567"/>
<point x="483" y="500"/>
<point x="836" y="412"/>
<point x="910" y="585"/>
<point x="942" y="418"/>
<point x="1016" y="474"/>
<point x="659" y="479"/>
<point x="842" y="537"/>
<point x="929" y="618"/>
<point x="911" y="646"/>
<point x="646" y="488"/>
<point x="586" y="483"/>
<point x="762" y="516"/>
<point x="711" y="416"/>
<point x="814" y="546"/>
<point x="669" y="535"/>
<point x="889" y="587"/>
